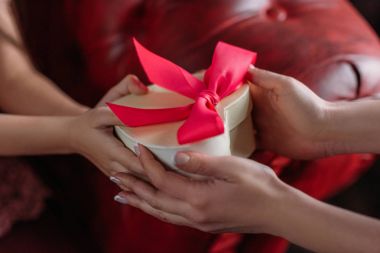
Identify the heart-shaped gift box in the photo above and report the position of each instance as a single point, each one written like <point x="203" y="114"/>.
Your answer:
<point x="183" y="113"/>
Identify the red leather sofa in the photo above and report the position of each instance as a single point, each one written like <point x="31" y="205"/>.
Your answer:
<point x="85" y="46"/>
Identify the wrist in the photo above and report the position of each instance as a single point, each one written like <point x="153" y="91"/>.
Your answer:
<point x="69" y="128"/>
<point x="273" y="206"/>
<point x="76" y="109"/>
<point x="80" y="109"/>
<point x="289" y="207"/>
<point x="336" y="138"/>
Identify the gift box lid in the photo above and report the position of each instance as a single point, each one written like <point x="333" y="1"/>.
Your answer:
<point x="233" y="110"/>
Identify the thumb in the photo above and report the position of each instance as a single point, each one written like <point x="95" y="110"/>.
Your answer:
<point x="129" y="85"/>
<point x="267" y="79"/>
<point x="195" y="163"/>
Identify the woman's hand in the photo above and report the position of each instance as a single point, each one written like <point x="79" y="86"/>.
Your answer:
<point x="239" y="196"/>
<point x="290" y="119"/>
<point x="91" y="134"/>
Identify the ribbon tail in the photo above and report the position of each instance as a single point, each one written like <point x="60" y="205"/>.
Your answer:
<point x="167" y="74"/>
<point x="135" y="117"/>
<point x="203" y="122"/>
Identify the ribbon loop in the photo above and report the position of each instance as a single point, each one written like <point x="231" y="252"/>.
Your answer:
<point x="222" y="78"/>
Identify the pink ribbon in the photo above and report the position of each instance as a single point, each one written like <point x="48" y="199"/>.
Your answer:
<point x="224" y="76"/>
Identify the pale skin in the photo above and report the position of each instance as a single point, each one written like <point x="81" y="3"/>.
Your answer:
<point x="38" y="118"/>
<point x="244" y="196"/>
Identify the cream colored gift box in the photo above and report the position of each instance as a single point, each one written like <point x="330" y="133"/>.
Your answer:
<point x="161" y="139"/>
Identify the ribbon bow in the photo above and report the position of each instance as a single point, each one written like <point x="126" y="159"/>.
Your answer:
<point x="223" y="77"/>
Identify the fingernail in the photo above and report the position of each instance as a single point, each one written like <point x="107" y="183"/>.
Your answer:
<point x="251" y="67"/>
<point x="135" y="79"/>
<point x="143" y="86"/>
<point x="137" y="149"/>
<point x="115" y="180"/>
<point x="139" y="83"/>
<point x="181" y="158"/>
<point x="120" y="199"/>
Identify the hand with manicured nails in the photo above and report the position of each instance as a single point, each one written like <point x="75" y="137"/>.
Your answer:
<point x="290" y="119"/>
<point x="91" y="134"/>
<point x="243" y="196"/>
<point x="240" y="195"/>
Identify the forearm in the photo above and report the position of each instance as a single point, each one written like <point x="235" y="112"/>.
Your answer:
<point x="22" y="89"/>
<point x="30" y="93"/>
<point x="354" y="127"/>
<point x="32" y="135"/>
<point x="324" y="228"/>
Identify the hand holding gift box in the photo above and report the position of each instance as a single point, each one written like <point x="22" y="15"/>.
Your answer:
<point x="183" y="113"/>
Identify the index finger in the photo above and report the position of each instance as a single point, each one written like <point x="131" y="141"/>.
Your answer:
<point x="168" y="182"/>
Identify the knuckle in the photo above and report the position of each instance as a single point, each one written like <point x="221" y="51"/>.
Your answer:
<point x="206" y="228"/>
<point x="131" y="80"/>
<point x="122" y="155"/>
<point x="150" y="159"/>
<point x="99" y="110"/>
<point x="113" y="165"/>
<point x="133" y="169"/>
<point x="158" y="182"/>
<point x="126" y="80"/>
<point x="291" y="81"/>
<point x="200" y="218"/>
<point x="107" y="170"/>
<point x="129" y="77"/>
<point x="188" y="213"/>
<point x="114" y="154"/>
<point x="134" y="202"/>
<point x="198" y="202"/>
<point x="160" y="215"/>
<point x="265" y="170"/>
<point x="154" y="203"/>
<point x="193" y="200"/>
<point x="131" y="182"/>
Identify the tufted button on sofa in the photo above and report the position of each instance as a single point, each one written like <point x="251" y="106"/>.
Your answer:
<point x="324" y="43"/>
